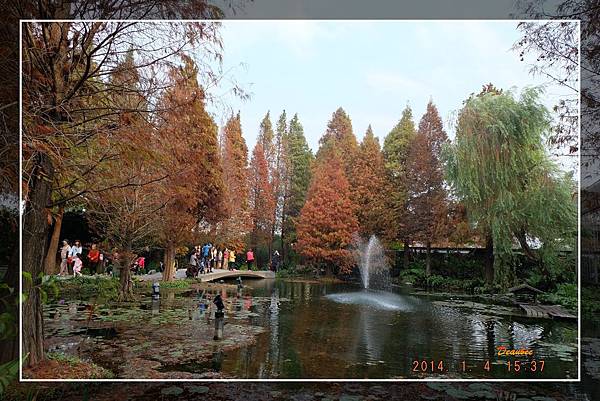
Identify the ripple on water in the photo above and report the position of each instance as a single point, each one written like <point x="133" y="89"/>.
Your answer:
<point x="375" y="299"/>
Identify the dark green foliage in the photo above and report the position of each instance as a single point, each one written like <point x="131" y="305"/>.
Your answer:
<point x="298" y="176"/>
<point x="565" y="295"/>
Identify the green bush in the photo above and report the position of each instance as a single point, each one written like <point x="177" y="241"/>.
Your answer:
<point x="565" y="295"/>
<point x="90" y="287"/>
<point x="185" y="283"/>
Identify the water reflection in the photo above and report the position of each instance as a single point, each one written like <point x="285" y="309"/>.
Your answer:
<point x="332" y="330"/>
<point x="316" y="330"/>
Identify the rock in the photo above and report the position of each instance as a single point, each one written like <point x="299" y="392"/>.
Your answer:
<point x="459" y="393"/>
<point x="173" y="390"/>
<point x="346" y="397"/>
<point x="485" y="395"/>
<point x="198" y="389"/>
<point x="480" y="387"/>
<point x="303" y="397"/>
<point x="437" y="386"/>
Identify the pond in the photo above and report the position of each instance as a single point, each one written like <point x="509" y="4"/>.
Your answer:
<point x="309" y="329"/>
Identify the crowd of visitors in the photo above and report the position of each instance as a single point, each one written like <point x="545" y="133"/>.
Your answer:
<point x="202" y="260"/>
<point x="71" y="261"/>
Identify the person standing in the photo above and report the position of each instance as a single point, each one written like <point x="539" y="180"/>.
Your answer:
<point x="64" y="255"/>
<point x="226" y="259"/>
<point x="93" y="257"/>
<point x="77" y="265"/>
<point x="219" y="258"/>
<point x="205" y="251"/>
<point x="142" y="264"/>
<point x="275" y="261"/>
<point x="213" y="257"/>
<point x="250" y="258"/>
<point x="75" y="249"/>
<point x="232" y="260"/>
<point x="193" y="271"/>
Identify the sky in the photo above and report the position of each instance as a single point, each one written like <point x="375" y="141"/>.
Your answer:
<point x="372" y="69"/>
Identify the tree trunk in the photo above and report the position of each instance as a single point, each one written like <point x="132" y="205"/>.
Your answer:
<point x="428" y="259"/>
<point x="35" y="236"/>
<point x="283" y="232"/>
<point x="169" y="262"/>
<point x="126" y="291"/>
<point x="489" y="259"/>
<point x="50" y="263"/>
<point x="406" y="254"/>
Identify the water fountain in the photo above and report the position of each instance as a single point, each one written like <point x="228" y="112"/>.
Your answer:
<point x="374" y="270"/>
<point x="375" y="277"/>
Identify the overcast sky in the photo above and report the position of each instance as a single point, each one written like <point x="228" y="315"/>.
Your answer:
<point x="372" y="69"/>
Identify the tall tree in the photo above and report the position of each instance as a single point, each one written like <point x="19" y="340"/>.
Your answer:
<point x="339" y="136"/>
<point x="427" y="197"/>
<point x="271" y="149"/>
<point x="327" y="221"/>
<point x="370" y="190"/>
<point x="396" y="147"/>
<point x="279" y="175"/>
<point x="499" y="168"/>
<point x="297" y="178"/>
<point x="234" y="156"/>
<point x="187" y="142"/>
<point x="262" y="203"/>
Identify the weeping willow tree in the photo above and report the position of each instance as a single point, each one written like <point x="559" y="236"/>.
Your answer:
<point x="515" y="195"/>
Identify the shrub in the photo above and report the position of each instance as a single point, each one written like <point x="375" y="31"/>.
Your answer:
<point x="565" y="295"/>
<point x="84" y="288"/>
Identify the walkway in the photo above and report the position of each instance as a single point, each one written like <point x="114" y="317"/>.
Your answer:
<point x="217" y="274"/>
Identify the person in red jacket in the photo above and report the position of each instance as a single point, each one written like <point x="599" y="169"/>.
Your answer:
<point x="93" y="257"/>
<point x="249" y="258"/>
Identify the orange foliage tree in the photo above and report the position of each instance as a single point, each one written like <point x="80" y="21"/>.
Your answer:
<point x="189" y="152"/>
<point x="427" y="197"/>
<point x="369" y="185"/>
<point x="234" y="158"/>
<point x="262" y="202"/>
<point x="327" y="221"/>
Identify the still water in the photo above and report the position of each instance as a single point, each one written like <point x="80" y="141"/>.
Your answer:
<point x="304" y="329"/>
<point x="317" y="330"/>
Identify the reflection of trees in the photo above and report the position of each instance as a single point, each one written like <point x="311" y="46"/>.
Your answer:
<point x="273" y="358"/>
<point x="374" y="330"/>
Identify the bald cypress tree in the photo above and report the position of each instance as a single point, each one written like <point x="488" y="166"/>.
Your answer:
<point x="340" y="137"/>
<point x="299" y="159"/>
<point x="427" y="197"/>
<point x="234" y="156"/>
<point x="370" y="186"/>
<point x="396" y="148"/>
<point x="327" y="221"/>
